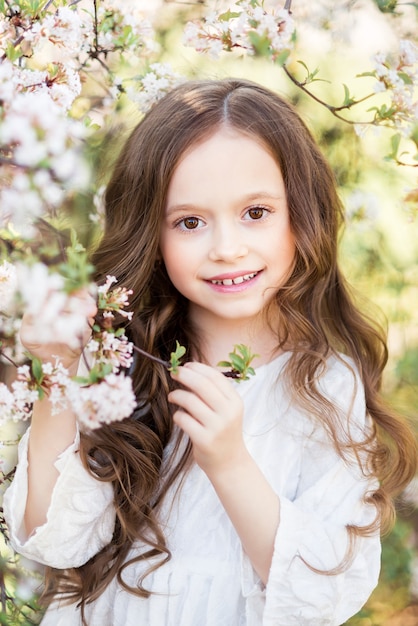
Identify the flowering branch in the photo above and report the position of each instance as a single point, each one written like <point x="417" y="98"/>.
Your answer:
<point x="335" y="110"/>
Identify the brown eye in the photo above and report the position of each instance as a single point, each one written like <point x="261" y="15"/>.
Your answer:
<point x="190" y="222"/>
<point x="256" y="213"/>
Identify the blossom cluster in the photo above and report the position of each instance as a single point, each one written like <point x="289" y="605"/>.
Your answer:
<point x="145" y="90"/>
<point x="246" y="27"/>
<point x="46" y="56"/>
<point x="9" y="321"/>
<point x="397" y="75"/>
<point x="100" y="394"/>
<point x="40" y="149"/>
<point x="15" y="403"/>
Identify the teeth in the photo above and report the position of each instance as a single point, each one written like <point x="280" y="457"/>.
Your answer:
<point x="234" y="281"/>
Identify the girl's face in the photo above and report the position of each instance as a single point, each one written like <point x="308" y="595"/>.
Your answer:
<point x="226" y="240"/>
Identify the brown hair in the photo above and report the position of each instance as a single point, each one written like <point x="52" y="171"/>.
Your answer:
<point x="318" y="315"/>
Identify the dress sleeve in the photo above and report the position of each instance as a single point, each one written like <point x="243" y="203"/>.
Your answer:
<point x="80" y="519"/>
<point x="312" y="533"/>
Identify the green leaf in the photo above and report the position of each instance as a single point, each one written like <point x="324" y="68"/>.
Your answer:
<point x="303" y="64"/>
<point x="395" y="143"/>
<point x="237" y="361"/>
<point x="347" y="98"/>
<point x="260" y="43"/>
<point x="13" y="53"/>
<point x="76" y="270"/>
<point x="281" y="58"/>
<point x="406" y="79"/>
<point x="36" y="368"/>
<point x="224" y="364"/>
<point x="372" y="74"/>
<point x="387" y="6"/>
<point x="239" y="364"/>
<point x="414" y="135"/>
<point x="81" y="380"/>
<point x="175" y="357"/>
<point x="228" y="15"/>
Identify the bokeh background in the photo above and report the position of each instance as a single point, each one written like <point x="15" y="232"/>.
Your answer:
<point x="379" y="244"/>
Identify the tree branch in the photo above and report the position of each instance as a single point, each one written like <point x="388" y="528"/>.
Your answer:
<point x="333" y="109"/>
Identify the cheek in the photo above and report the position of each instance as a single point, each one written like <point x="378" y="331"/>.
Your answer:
<point x="176" y="259"/>
<point x="282" y="245"/>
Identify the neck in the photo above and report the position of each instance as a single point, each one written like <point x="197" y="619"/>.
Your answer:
<point x="216" y="340"/>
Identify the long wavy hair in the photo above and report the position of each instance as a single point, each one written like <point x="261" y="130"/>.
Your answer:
<point x="318" y="318"/>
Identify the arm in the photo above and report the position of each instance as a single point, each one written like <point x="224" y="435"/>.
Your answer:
<point x="50" y="435"/>
<point x="80" y="517"/>
<point x="313" y="534"/>
<point x="253" y="508"/>
<point x="211" y="415"/>
<point x="321" y="494"/>
<point x="57" y="512"/>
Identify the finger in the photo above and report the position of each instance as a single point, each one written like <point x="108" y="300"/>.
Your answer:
<point x="206" y="382"/>
<point x="192" y="404"/>
<point x="189" y="425"/>
<point x="81" y="302"/>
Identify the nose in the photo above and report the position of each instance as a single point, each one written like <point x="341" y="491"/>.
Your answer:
<point x="228" y="243"/>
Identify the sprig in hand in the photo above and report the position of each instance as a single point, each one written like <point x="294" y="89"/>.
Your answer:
<point x="175" y="358"/>
<point x="239" y="363"/>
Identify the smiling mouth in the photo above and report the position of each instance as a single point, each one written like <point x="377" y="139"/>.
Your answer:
<point x="234" y="281"/>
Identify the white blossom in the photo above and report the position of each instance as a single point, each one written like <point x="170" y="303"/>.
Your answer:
<point x="159" y="79"/>
<point x="111" y="400"/>
<point x="8" y="286"/>
<point x="23" y="394"/>
<point x="116" y="299"/>
<point x="59" y="317"/>
<point x="362" y="208"/>
<point x="397" y="75"/>
<point x="57" y="380"/>
<point x="44" y="158"/>
<point x="236" y="30"/>
<point x="112" y="349"/>
<point x="6" y="404"/>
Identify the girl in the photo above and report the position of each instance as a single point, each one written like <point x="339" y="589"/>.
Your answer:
<point x="218" y="503"/>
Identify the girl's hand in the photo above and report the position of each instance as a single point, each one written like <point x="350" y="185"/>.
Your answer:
<point x="46" y="352"/>
<point x="211" y="413"/>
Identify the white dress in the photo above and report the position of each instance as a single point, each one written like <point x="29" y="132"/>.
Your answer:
<point x="209" y="580"/>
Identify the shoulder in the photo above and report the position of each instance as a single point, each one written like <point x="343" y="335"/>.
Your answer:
<point x="340" y="378"/>
<point x="337" y="376"/>
<point x="341" y="387"/>
<point x="339" y="368"/>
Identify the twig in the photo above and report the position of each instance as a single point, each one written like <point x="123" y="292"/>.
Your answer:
<point x="151" y="356"/>
<point x="8" y="359"/>
<point x="333" y="109"/>
<point x="96" y="31"/>
<point x="48" y="4"/>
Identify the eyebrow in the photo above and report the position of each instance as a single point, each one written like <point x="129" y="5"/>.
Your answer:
<point x="251" y="197"/>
